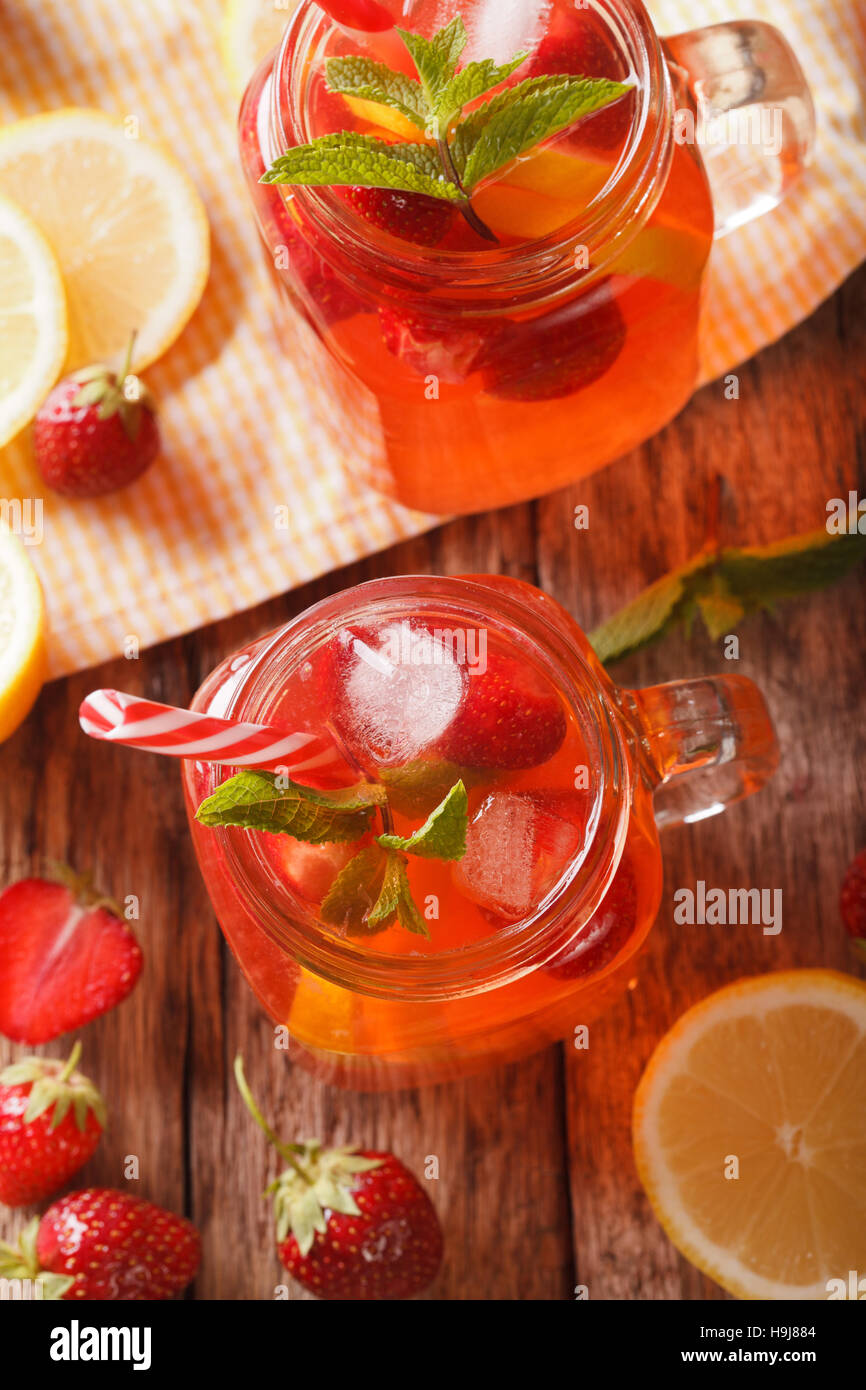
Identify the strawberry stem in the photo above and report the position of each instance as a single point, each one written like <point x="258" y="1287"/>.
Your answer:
<point x="465" y="204"/>
<point x="286" y="1151"/>
<point x="72" y="1063"/>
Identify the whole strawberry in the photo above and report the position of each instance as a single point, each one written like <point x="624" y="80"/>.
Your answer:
<point x="852" y="902"/>
<point x="351" y="1224"/>
<point x="66" y="956"/>
<point x="96" y="432"/>
<point x="51" y="1120"/>
<point x="102" y="1244"/>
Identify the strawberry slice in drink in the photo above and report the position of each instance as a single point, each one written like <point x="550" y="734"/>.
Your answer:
<point x="364" y="16"/>
<point x="606" y="933"/>
<point x="559" y="353"/>
<point x="450" y="350"/>
<point x="581" y="47"/>
<point x="510" y="718"/>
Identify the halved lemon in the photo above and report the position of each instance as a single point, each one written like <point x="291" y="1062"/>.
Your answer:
<point x="22" y="633"/>
<point x="33" y="335"/>
<point x="250" y="30"/>
<point x="750" y="1134"/>
<point x="125" y="222"/>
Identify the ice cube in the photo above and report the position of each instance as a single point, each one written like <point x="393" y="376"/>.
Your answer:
<point x="500" y="29"/>
<point x="518" y="846"/>
<point x="402" y="689"/>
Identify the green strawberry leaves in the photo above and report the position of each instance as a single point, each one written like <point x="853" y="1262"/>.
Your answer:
<point x="263" y="801"/>
<point x="21" y="1262"/>
<point x="469" y="148"/>
<point x="725" y="586"/>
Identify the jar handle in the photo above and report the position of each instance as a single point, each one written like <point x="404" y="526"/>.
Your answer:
<point x="743" y="98"/>
<point x="706" y="743"/>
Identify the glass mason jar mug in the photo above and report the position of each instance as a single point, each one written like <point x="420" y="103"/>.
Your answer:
<point x="416" y="683"/>
<point x="467" y="374"/>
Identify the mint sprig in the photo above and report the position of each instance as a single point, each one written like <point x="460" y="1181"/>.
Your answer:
<point x="723" y="587"/>
<point x="468" y="147"/>
<point x="262" y="801"/>
<point x="372" y="891"/>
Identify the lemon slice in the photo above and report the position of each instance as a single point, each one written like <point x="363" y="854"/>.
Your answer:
<point x="22" y="627"/>
<point x="250" y="30"/>
<point x="126" y="225"/>
<point x="750" y="1134"/>
<point x="33" y="337"/>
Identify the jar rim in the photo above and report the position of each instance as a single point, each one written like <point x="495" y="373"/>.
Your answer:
<point x="540" y="269"/>
<point x="514" y="950"/>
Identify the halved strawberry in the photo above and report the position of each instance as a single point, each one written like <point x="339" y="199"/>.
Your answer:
<point x="511" y="717"/>
<point x="449" y="350"/>
<point x="66" y="956"/>
<point x="558" y="353"/>
<point x="409" y="216"/>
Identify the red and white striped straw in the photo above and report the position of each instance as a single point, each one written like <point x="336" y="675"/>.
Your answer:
<point x="115" y="717"/>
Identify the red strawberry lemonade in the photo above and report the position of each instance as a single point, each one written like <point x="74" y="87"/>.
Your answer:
<point x="504" y="344"/>
<point x="480" y="887"/>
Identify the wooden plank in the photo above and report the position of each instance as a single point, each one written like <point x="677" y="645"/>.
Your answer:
<point x="164" y="1058"/>
<point x="790" y="443"/>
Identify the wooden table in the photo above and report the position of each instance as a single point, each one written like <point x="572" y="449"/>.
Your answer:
<point x="537" y="1189"/>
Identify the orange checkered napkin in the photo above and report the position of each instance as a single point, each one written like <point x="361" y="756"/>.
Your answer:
<point x="252" y="497"/>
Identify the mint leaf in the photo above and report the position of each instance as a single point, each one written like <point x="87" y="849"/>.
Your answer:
<point x="361" y="77"/>
<point x="396" y="901"/>
<point x="649" y="616"/>
<point x="436" y="59"/>
<point x="395" y="884"/>
<point x="468" y="85"/>
<point x="347" y="158"/>
<point x="798" y="565"/>
<point x="526" y="119"/>
<point x="443" y="834"/>
<point x="253" y="801"/>
<point x="409" y="916"/>
<point x="355" y="891"/>
<point x="726" y="586"/>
